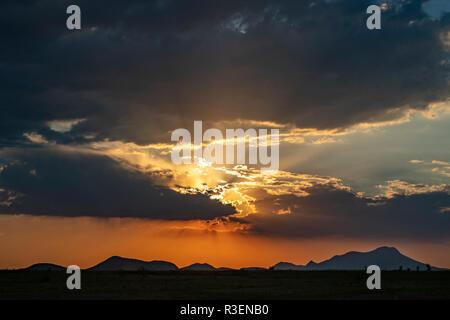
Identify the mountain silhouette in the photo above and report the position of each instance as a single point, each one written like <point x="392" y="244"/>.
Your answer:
<point x="44" y="267"/>
<point x="199" y="267"/>
<point x="116" y="263"/>
<point x="387" y="258"/>
<point x="287" y="266"/>
<point x="253" y="269"/>
<point x="225" y="269"/>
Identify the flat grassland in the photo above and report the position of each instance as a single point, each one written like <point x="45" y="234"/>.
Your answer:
<point x="185" y="285"/>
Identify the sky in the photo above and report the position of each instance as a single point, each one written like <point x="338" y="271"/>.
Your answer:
<point x="86" y="119"/>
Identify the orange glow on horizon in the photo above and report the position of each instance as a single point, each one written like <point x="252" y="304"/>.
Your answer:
<point x="25" y="240"/>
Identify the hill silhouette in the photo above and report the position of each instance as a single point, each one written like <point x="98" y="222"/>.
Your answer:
<point x="45" y="267"/>
<point x="116" y="263"/>
<point x="199" y="267"/>
<point x="387" y="258"/>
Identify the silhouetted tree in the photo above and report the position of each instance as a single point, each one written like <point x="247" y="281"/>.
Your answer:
<point x="401" y="268"/>
<point x="417" y="268"/>
<point x="428" y="267"/>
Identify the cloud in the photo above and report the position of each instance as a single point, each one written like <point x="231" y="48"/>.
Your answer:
<point x="331" y="212"/>
<point x="64" y="125"/>
<point x="35" y="138"/>
<point x="52" y="182"/>
<point x="439" y="166"/>
<point x="436" y="7"/>
<point x="139" y="69"/>
<point x="438" y="162"/>
<point x="395" y="187"/>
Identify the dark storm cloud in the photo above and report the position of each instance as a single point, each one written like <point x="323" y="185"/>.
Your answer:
<point x="138" y="69"/>
<point x="328" y="211"/>
<point x="59" y="183"/>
